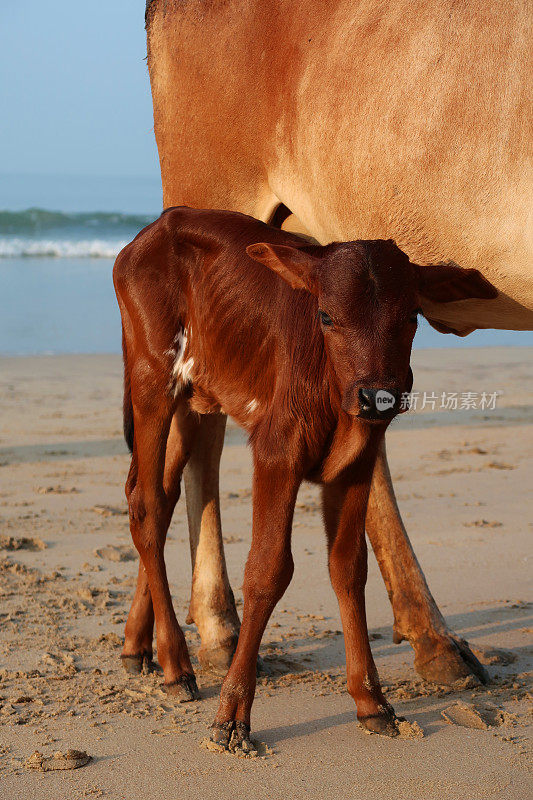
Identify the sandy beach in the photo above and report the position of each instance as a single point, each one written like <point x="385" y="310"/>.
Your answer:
<point x="67" y="570"/>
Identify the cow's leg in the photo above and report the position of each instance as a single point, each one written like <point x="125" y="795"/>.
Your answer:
<point x="268" y="572"/>
<point x="344" y="517"/>
<point x="151" y="503"/>
<point x="138" y="634"/>
<point x="212" y="605"/>
<point x="440" y="655"/>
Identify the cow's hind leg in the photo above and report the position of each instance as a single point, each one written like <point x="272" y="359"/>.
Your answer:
<point x="161" y="451"/>
<point x="212" y="606"/>
<point x="440" y="655"/>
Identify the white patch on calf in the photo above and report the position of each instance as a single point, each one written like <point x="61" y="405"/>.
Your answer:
<point x="182" y="367"/>
<point x="183" y="370"/>
<point x="251" y="406"/>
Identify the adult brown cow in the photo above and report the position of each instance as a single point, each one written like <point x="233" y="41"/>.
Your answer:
<point x="405" y="119"/>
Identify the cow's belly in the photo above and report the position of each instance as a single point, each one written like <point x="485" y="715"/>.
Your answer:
<point x="499" y="245"/>
<point x="511" y="310"/>
<point x="350" y="124"/>
<point x="409" y="137"/>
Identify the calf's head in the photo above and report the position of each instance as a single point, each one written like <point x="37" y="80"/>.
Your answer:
<point x="369" y="297"/>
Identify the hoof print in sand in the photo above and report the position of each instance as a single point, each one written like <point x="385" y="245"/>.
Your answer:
<point x="473" y="715"/>
<point x="109" y="511"/>
<point x="116" y="553"/>
<point x="494" y="656"/>
<point x="72" y="759"/>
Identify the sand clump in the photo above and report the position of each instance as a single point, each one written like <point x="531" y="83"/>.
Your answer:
<point x="261" y="750"/>
<point x="410" y="730"/>
<point x="56" y="490"/>
<point x="71" y="759"/>
<point x="21" y="543"/>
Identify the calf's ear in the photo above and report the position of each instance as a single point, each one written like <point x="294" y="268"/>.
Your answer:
<point x="296" y="266"/>
<point x="445" y="283"/>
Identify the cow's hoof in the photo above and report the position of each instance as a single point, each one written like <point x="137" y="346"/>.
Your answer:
<point x="184" y="689"/>
<point x="217" y="659"/>
<point x="385" y="723"/>
<point x="447" y="660"/>
<point x="137" y="664"/>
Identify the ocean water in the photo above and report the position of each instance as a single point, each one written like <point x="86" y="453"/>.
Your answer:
<point x="56" y="290"/>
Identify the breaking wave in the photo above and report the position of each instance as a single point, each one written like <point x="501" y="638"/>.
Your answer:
<point x="35" y="221"/>
<point x="60" y="248"/>
<point x="38" y="232"/>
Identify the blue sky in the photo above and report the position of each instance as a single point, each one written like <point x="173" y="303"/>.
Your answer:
<point x="75" y="89"/>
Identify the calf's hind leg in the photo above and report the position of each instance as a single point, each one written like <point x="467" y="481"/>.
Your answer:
<point x="138" y="635"/>
<point x="137" y="650"/>
<point x="344" y="516"/>
<point x="151" y="503"/>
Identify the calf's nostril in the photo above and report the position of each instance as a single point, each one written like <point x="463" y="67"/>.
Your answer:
<point x="366" y="399"/>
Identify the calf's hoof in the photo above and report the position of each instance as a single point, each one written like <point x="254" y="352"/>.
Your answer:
<point x="385" y="723"/>
<point x="446" y="660"/>
<point x="142" y="662"/>
<point x="233" y="736"/>
<point x="184" y="689"/>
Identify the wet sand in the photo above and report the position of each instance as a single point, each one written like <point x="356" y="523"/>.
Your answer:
<point x="67" y="570"/>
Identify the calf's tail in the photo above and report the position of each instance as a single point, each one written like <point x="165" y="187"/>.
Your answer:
<point x="127" y="407"/>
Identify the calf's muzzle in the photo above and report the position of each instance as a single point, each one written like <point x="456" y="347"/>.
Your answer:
<point x="372" y="402"/>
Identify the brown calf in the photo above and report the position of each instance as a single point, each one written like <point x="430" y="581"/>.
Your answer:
<point x="307" y="348"/>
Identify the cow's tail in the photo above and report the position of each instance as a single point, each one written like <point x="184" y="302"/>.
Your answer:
<point x="127" y="407"/>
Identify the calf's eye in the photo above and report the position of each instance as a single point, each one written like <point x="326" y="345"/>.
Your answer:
<point x="325" y="319"/>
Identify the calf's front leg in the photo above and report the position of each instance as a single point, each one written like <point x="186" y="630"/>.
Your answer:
<point x="268" y="572"/>
<point x="344" y="516"/>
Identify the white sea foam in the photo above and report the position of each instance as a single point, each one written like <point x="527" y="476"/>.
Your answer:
<point x="11" y="247"/>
